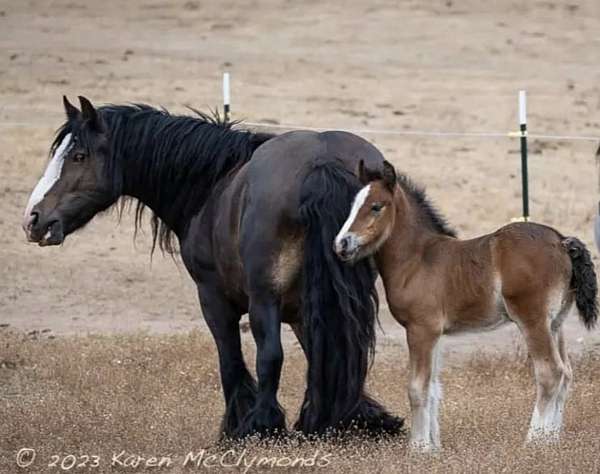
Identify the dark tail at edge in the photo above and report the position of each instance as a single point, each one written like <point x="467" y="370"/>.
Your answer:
<point x="583" y="281"/>
<point x="339" y="306"/>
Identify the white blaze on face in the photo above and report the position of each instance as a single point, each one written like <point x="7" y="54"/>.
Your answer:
<point x="51" y="175"/>
<point x="358" y="202"/>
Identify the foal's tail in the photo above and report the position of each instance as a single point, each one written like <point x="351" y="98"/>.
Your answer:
<point x="583" y="281"/>
<point x="339" y="306"/>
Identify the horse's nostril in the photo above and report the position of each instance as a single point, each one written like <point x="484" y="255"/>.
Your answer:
<point x="29" y="223"/>
<point x="344" y="243"/>
<point x="34" y="218"/>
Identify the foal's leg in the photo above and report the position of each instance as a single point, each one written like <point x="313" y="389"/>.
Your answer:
<point x="436" y="396"/>
<point x="568" y="372"/>
<point x="550" y="375"/>
<point x="239" y="387"/>
<point x="422" y="342"/>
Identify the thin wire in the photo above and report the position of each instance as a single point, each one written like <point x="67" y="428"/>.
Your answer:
<point x="425" y="133"/>
<point x="372" y="131"/>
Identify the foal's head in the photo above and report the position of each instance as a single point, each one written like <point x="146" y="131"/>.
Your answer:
<point x="73" y="188"/>
<point x="372" y="215"/>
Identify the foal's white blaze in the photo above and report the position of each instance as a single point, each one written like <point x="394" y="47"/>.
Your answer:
<point x="51" y="176"/>
<point x="358" y="202"/>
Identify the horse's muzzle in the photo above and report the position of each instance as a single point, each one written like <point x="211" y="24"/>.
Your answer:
<point x="44" y="232"/>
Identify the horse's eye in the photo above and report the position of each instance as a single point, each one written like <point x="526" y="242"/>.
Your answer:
<point x="78" y="157"/>
<point x="377" y="207"/>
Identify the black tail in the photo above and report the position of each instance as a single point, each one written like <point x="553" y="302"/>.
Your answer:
<point x="583" y="281"/>
<point x="339" y="307"/>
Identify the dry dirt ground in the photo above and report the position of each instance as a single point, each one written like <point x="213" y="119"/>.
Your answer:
<point x="160" y="396"/>
<point x="409" y="65"/>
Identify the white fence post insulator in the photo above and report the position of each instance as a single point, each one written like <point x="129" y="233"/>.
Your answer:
<point x="226" y="97"/>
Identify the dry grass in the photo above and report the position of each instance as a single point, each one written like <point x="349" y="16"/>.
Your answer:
<point x="160" y="395"/>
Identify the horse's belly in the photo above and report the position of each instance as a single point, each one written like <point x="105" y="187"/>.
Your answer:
<point x="486" y="316"/>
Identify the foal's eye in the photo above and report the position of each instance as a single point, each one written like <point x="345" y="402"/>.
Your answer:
<point x="377" y="207"/>
<point x="78" y="157"/>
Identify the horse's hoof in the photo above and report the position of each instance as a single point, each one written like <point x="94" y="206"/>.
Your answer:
<point x="268" y="422"/>
<point x="421" y="447"/>
<point x="542" y="438"/>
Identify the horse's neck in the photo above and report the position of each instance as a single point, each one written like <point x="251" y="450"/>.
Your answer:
<point x="160" y="197"/>
<point x="408" y="241"/>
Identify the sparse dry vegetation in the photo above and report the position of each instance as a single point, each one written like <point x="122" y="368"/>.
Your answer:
<point x="411" y="65"/>
<point x="160" y="395"/>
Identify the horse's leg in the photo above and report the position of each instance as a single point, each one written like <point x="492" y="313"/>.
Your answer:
<point x="550" y="375"/>
<point x="299" y="333"/>
<point x="422" y="342"/>
<point x="436" y="396"/>
<point x="568" y="372"/>
<point x="267" y="416"/>
<point x="239" y="387"/>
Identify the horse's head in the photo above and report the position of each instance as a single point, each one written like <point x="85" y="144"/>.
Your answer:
<point x="372" y="215"/>
<point x="74" y="186"/>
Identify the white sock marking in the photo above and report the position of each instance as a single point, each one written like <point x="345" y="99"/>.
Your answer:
<point x="435" y="396"/>
<point x="358" y="202"/>
<point x="51" y="175"/>
<point x="547" y="425"/>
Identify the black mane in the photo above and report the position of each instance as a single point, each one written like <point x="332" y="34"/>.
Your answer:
<point x="431" y="214"/>
<point x="176" y="159"/>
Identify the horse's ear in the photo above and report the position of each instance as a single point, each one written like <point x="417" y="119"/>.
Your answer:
<point x="362" y="172"/>
<point x="89" y="114"/>
<point x="389" y="175"/>
<point x="71" y="111"/>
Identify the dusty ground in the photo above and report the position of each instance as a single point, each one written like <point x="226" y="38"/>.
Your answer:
<point x="397" y="65"/>
<point x="158" y="396"/>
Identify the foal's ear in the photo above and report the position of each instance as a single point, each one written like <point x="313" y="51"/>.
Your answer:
<point x="362" y="172"/>
<point x="389" y="175"/>
<point x="89" y="114"/>
<point x="71" y="111"/>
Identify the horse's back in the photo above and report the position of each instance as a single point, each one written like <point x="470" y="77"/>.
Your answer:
<point x="277" y="170"/>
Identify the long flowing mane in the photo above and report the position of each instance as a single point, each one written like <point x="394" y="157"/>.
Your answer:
<point x="430" y="214"/>
<point x="179" y="159"/>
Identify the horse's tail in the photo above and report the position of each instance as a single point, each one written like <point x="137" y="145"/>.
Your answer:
<point x="339" y="307"/>
<point x="583" y="281"/>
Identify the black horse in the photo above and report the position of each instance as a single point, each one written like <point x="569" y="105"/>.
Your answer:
<point x="256" y="236"/>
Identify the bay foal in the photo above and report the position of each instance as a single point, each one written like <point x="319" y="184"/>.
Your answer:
<point x="437" y="284"/>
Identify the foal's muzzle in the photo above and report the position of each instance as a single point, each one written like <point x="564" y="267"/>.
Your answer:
<point x="346" y="247"/>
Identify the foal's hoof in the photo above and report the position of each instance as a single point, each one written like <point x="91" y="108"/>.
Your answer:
<point x="542" y="438"/>
<point x="422" y="447"/>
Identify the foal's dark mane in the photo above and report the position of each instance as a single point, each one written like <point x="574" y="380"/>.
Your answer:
<point x="428" y="210"/>
<point x="172" y="162"/>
